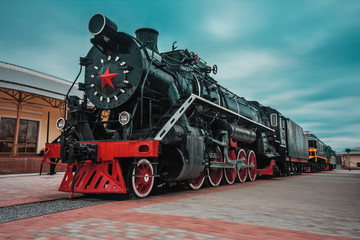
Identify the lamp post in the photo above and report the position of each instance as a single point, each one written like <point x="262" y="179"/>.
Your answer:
<point x="348" y="151"/>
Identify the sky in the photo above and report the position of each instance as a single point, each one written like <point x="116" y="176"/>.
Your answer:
<point x="299" y="57"/>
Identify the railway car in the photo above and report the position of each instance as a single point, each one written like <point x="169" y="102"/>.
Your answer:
<point x="150" y="118"/>
<point x="330" y="158"/>
<point x="317" y="153"/>
<point x="286" y="150"/>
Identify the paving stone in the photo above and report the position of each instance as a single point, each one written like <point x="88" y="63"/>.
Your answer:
<point x="311" y="206"/>
<point x="316" y="203"/>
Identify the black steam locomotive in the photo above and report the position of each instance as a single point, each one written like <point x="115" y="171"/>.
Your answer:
<point x="149" y="118"/>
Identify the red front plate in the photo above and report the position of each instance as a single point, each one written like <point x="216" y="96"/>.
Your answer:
<point x="108" y="150"/>
<point x="106" y="175"/>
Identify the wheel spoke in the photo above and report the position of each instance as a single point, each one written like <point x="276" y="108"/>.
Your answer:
<point x="242" y="173"/>
<point x="252" y="160"/>
<point x="196" y="183"/>
<point x="142" y="179"/>
<point x="215" y="174"/>
<point x="141" y="186"/>
<point x="230" y="174"/>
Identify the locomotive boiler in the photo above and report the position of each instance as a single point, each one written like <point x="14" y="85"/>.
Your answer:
<point x="150" y="118"/>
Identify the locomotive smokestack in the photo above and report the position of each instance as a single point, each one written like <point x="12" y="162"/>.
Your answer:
<point x="101" y="25"/>
<point x="148" y="35"/>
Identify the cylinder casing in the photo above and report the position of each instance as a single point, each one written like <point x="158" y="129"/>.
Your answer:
<point x="241" y="134"/>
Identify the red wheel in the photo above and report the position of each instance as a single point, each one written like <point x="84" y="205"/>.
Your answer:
<point x="229" y="173"/>
<point x="252" y="161"/>
<point x="196" y="183"/>
<point x="142" y="179"/>
<point x="215" y="174"/>
<point x="242" y="173"/>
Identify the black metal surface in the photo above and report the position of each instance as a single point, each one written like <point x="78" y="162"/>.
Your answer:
<point x="101" y="25"/>
<point x="296" y="141"/>
<point x="149" y="37"/>
<point x="241" y="134"/>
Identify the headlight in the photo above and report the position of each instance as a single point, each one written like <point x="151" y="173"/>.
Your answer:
<point x="124" y="118"/>
<point x="60" y="123"/>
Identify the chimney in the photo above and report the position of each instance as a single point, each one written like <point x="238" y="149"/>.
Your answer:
<point x="148" y="35"/>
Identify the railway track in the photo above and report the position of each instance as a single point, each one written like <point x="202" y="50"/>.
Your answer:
<point x="23" y="211"/>
<point x="40" y="208"/>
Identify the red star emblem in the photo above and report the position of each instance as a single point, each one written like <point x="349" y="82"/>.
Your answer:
<point x="106" y="78"/>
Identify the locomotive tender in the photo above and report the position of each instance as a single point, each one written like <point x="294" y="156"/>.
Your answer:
<point x="159" y="117"/>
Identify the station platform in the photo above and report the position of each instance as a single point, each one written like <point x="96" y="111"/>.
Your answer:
<point x="18" y="189"/>
<point x="309" y="206"/>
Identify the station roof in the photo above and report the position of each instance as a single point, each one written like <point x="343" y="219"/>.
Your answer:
<point x="27" y="80"/>
<point x="355" y="151"/>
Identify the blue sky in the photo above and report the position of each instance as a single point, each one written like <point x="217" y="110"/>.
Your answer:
<point x="300" y="57"/>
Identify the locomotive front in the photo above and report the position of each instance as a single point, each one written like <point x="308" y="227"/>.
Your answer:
<point x="118" y="64"/>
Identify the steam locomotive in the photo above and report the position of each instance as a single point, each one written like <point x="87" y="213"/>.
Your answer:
<point x="150" y="118"/>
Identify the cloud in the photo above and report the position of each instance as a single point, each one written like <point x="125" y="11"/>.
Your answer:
<point x="55" y="54"/>
<point x="340" y="143"/>
<point x="331" y="108"/>
<point x="303" y="44"/>
<point x="221" y="28"/>
<point x="246" y="64"/>
<point x="287" y="99"/>
<point x="334" y="121"/>
<point x="230" y="20"/>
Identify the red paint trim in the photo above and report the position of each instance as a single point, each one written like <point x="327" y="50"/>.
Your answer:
<point x="105" y="177"/>
<point x="53" y="150"/>
<point x="108" y="150"/>
<point x="269" y="170"/>
<point x="233" y="143"/>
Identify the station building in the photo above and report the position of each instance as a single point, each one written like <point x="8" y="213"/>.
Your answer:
<point x="354" y="156"/>
<point x="30" y="104"/>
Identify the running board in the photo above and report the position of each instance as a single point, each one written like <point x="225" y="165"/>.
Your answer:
<point x="233" y="113"/>
<point x="173" y="119"/>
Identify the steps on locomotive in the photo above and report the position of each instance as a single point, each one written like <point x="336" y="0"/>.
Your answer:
<point x="166" y="117"/>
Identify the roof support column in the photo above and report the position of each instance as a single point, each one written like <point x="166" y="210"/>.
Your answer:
<point x="15" y="149"/>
